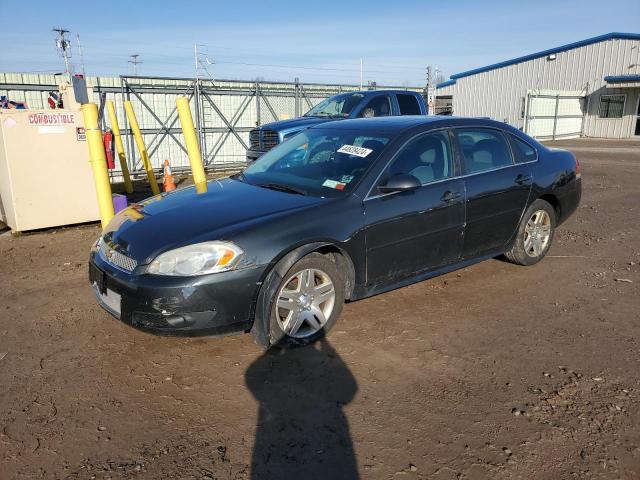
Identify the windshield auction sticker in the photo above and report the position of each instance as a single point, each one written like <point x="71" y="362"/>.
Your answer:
<point x="353" y="150"/>
<point x="334" y="184"/>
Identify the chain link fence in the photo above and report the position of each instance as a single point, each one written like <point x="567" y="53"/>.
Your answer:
<point x="224" y="111"/>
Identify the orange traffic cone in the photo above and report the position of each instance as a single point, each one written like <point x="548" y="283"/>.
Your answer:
<point x="168" y="178"/>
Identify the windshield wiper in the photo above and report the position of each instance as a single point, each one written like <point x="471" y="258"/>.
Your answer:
<point x="283" y="188"/>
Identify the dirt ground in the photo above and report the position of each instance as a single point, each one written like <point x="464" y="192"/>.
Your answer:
<point x="495" y="371"/>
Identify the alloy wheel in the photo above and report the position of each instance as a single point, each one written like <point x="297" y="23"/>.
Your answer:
<point x="305" y="303"/>
<point x="537" y="233"/>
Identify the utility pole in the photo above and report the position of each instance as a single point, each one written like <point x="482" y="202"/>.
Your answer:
<point x="431" y="91"/>
<point x="80" y="53"/>
<point x="360" y="73"/>
<point x="64" y="47"/>
<point x="134" y="60"/>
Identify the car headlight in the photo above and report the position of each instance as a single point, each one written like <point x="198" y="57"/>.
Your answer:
<point x="197" y="259"/>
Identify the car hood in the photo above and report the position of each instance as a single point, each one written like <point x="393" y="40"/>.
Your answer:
<point x="197" y="214"/>
<point x="301" y="122"/>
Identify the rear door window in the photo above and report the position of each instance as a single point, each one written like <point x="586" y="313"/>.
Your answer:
<point x="483" y="149"/>
<point x="379" y="106"/>
<point x="408" y="104"/>
<point x="522" y="151"/>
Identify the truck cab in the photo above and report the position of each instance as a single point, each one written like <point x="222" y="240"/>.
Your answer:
<point x="359" y="104"/>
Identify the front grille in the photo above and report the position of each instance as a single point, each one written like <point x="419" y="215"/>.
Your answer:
<point x="263" y="140"/>
<point x="269" y="139"/>
<point x="150" y="320"/>
<point x="254" y="139"/>
<point x="116" y="258"/>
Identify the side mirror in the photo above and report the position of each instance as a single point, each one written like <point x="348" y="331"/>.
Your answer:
<point x="400" y="183"/>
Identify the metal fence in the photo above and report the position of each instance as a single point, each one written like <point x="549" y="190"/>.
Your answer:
<point x="224" y="111"/>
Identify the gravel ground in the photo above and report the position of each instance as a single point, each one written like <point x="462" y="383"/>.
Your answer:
<point x="495" y="371"/>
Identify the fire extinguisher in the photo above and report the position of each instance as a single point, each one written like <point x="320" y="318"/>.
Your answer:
<point x="107" y="139"/>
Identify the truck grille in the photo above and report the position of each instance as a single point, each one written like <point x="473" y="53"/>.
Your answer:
<point x="269" y="139"/>
<point x="254" y="139"/>
<point x="116" y="258"/>
<point x="263" y="140"/>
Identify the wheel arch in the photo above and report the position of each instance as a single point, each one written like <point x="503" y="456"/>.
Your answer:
<point x="552" y="200"/>
<point x="281" y="265"/>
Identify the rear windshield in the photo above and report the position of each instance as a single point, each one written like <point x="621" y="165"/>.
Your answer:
<point x="319" y="162"/>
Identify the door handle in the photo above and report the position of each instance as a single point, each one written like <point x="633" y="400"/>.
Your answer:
<point x="522" y="179"/>
<point x="449" y="196"/>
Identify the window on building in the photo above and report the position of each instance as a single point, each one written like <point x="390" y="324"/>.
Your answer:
<point x="611" y="106"/>
<point x="408" y="104"/>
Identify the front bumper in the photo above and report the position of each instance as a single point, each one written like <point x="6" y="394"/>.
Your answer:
<point x="206" y="305"/>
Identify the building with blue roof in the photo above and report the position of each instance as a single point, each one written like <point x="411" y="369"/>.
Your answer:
<point x="589" y="88"/>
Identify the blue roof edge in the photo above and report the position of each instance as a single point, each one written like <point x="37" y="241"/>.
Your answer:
<point x="544" y="53"/>
<point x="622" y="78"/>
<point x="445" y="84"/>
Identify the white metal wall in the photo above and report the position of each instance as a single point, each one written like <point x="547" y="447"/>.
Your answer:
<point x="499" y="93"/>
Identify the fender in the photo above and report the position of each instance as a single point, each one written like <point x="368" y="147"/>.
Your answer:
<point x="260" y="328"/>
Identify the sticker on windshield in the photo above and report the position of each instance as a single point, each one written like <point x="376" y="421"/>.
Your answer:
<point x="334" y="184"/>
<point x="346" y="178"/>
<point x="353" y="150"/>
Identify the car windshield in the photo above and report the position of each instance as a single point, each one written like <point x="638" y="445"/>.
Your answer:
<point x="338" y="106"/>
<point x="318" y="162"/>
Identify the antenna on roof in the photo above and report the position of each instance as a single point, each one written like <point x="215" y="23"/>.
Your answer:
<point x="80" y="53"/>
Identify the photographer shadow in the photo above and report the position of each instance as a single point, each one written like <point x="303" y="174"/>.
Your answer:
<point x="302" y="431"/>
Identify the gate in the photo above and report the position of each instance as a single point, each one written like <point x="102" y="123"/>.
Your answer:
<point x="551" y="115"/>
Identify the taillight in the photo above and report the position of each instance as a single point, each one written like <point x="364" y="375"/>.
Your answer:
<point x="578" y="175"/>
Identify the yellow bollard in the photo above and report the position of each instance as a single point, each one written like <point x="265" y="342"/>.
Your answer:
<point x="119" y="147"/>
<point x="201" y="187"/>
<point x="141" y="147"/>
<point x="191" y="141"/>
<point x="98" y="161"/>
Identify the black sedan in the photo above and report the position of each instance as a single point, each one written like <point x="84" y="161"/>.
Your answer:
<point x="341" y="211"/>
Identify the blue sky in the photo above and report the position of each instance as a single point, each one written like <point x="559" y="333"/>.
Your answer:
<point x="320" y="41"/>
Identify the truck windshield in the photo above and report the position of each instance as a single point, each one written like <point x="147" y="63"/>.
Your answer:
<point x="317" y="162"/>
<point x="338" y="106"/>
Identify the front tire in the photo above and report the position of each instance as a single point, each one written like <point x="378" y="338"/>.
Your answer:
<point x="534" y="235"/>
<point x="307" y="302"/>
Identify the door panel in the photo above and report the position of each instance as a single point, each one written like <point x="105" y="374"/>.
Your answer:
<point x="497" y="190"/>
<point x="412" y="231"/>
<point x="495" y="202"/>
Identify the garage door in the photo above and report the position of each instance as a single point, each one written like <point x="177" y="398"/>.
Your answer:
<point x="554" y="114"/>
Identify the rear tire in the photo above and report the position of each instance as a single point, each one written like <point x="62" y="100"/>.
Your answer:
<point x="534" y="235"/>
<point x="306" y="303"/>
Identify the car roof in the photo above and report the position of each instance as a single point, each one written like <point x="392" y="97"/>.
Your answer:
<point x="371" y="92"/>
<point x="401" y="123"/>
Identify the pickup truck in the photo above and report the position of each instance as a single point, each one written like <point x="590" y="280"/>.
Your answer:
<point x="366" y="103"/>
